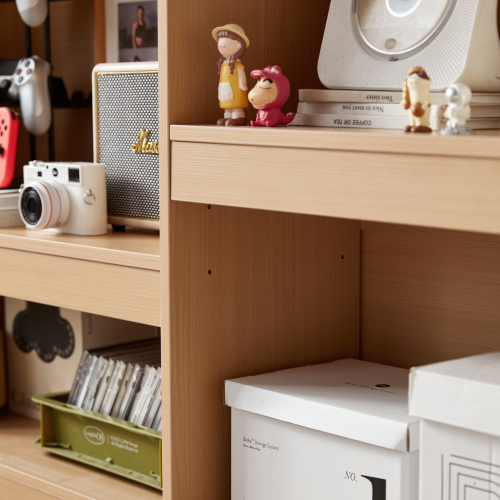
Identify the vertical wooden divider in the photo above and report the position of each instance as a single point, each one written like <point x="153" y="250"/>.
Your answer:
<point x="243" y="291"/>
<point x="252" y="292"/>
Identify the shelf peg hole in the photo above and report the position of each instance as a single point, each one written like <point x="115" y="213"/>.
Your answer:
<point x="209" y="271"/>
<point x="342" y="257"/>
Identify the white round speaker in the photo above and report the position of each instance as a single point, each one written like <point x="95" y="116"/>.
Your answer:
<point x="371" y="44"/>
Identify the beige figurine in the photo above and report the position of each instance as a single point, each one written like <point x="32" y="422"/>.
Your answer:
<point x="417" y="100"/>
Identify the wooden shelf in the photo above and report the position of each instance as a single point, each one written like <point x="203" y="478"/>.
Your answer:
<point x="373" y="175"/>
<point x="116" y="275"/>
<point x="483" y="144"/>
<point x="32" y="473"/>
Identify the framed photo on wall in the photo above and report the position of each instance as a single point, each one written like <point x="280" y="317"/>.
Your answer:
<point x="131" y="30"/>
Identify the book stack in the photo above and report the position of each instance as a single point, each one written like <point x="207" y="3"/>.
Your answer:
<point x="382" y="110"/>
<point x="9" y="211"/>
<point x="123" y="382"/>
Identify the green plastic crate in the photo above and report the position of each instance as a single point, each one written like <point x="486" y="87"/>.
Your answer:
<point x="100" y="441"/>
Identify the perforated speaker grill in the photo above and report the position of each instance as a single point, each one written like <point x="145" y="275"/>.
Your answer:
<point x="345" y="63"/>
<point x="127" y="104"/>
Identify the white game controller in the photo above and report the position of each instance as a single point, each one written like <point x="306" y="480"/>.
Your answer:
<point x="31" y="80"/>
<point x="32" y="12"/>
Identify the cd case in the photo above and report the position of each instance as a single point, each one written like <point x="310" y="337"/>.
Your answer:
<point x="122" y="381"/>
<point x="104" y="442"/>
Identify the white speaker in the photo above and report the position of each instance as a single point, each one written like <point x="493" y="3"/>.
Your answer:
<point x="371" y="44"/>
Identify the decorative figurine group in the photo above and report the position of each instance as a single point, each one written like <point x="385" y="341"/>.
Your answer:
<point x="273" y="89"/>
<point x="417" y="100"/>
<point x="269" y="94"/>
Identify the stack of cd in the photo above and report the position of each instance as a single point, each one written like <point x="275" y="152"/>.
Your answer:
<point x="122" y="381"/>
<point x="382" y="109"/>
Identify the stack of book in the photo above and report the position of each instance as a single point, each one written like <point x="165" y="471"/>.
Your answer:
<point x="374" y="109"/>
<point x="122" y="381"/>
<point x="9" y="211"/>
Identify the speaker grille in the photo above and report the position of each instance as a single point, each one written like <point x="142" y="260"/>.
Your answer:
<point x="128" y="102"/>
<point x="345" y="64"/>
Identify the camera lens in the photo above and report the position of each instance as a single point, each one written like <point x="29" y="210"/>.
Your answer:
<point x="44" y="205"/>
<point x="31" y="205"/>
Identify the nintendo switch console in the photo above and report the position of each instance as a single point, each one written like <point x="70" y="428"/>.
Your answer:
<point x="9" y="126"/>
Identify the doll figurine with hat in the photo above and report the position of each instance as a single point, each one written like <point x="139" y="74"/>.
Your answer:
<point x="270" y="93"/>
<point x="232" y="43"/>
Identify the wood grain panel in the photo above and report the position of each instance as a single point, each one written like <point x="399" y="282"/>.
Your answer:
<point x="428" y="296"/>
<point x="133" y="247"/>
<point x="12" y="491"/>
<point x="115" y="291"/>
<point x="165" y="235"/>
<point x="452" y="193"/>
<point x="252" y="291"/>
<point x="47" y="476"/>
<point x="99" y="32"/>
<point x="283" y="32"/>
<point x="483" y="144"/>
<point x="72" y="41"/>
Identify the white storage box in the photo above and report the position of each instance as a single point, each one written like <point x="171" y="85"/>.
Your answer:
<point x="339" y="430"/>
<point x="459" y="404"/>
<point x="45" y="344"/>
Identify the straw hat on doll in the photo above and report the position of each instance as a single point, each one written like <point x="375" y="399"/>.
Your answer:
<point x="235" y="28"/>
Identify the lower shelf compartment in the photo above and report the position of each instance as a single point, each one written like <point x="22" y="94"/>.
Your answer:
<point x="22" y="463"/>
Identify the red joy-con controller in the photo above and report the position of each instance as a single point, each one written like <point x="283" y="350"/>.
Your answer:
<point x="9" y="126"/>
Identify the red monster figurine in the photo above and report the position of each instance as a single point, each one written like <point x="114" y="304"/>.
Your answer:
<point x="269" y="94"/>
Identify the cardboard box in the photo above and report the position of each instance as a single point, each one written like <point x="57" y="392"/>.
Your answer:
<point x="45" y="344"/>
<point x="459" y="404"/>
<point x="339" y="430"/>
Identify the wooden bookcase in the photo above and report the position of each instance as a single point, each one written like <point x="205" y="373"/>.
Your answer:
<point x="277" y="248"/>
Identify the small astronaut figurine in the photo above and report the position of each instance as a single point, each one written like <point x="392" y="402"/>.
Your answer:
<point x="417" y="100"/>
<point x="458" y="110"/>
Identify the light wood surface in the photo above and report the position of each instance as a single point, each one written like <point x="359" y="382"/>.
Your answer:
<point x="434" y="191"/>
<point x="428" y="296"/>
<point x="110" y="290"/>
<point x="165" y="235"/>
<point x="483" y="144"/>
<point x="40" y="475"/>
<point x="12" y="490"/>
<point x="283" y="292"/>
<point x="133" y="248"/>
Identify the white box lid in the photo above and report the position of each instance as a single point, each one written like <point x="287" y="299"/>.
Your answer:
<point x="354" y="399"/>
<point x="463" y="393"/>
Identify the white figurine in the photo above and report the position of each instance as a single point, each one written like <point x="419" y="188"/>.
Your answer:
<point x="417" y="100"/>
<point x="458" y="110"/>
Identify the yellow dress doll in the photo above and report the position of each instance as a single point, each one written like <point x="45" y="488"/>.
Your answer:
<point x="233" y="90"/>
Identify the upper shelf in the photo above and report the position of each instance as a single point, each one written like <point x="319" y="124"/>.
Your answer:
<point x="483" y="144"/>
<point x="115" y="275"/>
<point x="373" y="175"/>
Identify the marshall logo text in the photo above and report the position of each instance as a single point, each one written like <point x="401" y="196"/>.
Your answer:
<point x="143" y="146"/>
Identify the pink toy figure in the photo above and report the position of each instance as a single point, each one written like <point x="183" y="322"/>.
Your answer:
<point x="270" y="93"/>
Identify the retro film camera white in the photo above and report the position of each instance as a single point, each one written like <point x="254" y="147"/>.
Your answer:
<point x="370" y="44"/>
<point x="64" y="197"/>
